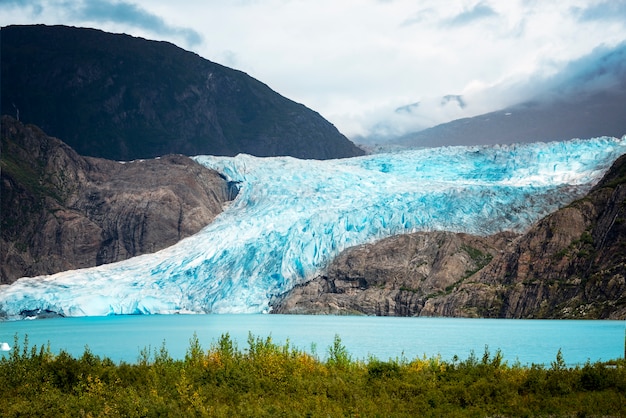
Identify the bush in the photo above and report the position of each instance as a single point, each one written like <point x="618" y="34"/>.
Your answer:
<point x="267" y="379"/>
<point x="338" y="355"/>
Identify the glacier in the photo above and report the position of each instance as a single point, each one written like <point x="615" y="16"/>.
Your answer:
<point x="291" y="217"/>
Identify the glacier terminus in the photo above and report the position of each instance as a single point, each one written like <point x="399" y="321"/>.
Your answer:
<point x="292" y="217"/>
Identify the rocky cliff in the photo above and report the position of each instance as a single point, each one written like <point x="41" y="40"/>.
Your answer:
<point x="571" y="264"/>
<point x="122" y="98"/>
<point x="62" y="211"/>
<point x="395" y="276"/>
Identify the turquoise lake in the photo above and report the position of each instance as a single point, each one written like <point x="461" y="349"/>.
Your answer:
<point x="121" y="338"/>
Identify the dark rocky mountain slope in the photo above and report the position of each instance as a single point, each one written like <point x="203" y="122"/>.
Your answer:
<point x="61" y="211"/>
<point x="571" y="264"/>
<point x="122" y="98"/>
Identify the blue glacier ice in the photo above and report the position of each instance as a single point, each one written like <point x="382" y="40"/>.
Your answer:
<point x="292" y="217"/>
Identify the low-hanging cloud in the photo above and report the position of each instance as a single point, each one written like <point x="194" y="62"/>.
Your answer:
<point x="131" y="14"/>
<point x="105" y="11"/>
<point x="603" y="11"/>
<point x="478" y="12"/>
<point x="35" y="7"/>
<point x="603" y="69"/>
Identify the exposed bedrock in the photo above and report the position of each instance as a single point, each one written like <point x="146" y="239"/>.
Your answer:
<point x="62" y="211"/>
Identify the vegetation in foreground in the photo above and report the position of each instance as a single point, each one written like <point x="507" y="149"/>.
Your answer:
<point x="266" y="379"/>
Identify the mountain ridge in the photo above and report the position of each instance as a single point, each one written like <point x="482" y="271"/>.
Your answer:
<point x="119" y="97"/>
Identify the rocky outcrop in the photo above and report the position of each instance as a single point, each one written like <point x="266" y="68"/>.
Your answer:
<point x="571" y="264"/>
<point x="395" y="276"/>
<point x="120" y="97"/>
<point x="62" y="211"/>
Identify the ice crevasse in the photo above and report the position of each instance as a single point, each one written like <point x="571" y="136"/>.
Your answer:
<point x="292" y="217"/>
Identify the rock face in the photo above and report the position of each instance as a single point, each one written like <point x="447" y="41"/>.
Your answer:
<point x="123" y="98"/>
<point x="61" y="211"/>
<point x="571" y="264"/>
<point x="396" y="276"/>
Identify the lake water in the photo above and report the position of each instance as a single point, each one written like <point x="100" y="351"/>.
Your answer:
<point x="121" y="338"/>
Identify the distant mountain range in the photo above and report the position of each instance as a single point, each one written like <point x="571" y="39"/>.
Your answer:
<point x="594" y="115"/>
<point x="587" y="99"/>
<point x="122" y="98"/>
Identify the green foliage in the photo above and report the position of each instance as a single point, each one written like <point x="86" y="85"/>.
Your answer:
<point x="479" y="258"/>
<point x="379" y="369"/>
<point x="195" y="354"/>
<point x="582" y="247"/>
<point x="338" y="355"/>
<point x="267" y="379"/>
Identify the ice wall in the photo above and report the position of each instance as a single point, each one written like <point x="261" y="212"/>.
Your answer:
<point x="292" y="217"/>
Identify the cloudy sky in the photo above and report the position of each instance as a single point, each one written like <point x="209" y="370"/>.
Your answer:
<point x="371" y="67"/>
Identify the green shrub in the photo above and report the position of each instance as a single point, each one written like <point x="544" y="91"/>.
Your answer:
<point x="267" y="379"/>
<point x="379" y="369"/>
<point x="338" y="355"/>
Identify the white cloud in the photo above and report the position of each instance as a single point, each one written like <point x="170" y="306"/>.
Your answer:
<point x="356" y="61"/>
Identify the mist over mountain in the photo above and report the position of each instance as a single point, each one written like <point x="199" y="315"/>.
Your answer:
<point x="585" y="99"/>
<point x="120" y="97"/>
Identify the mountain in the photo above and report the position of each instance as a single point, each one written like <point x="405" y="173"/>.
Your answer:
<point x="61" y="211"/>
<point x="586" y="99"/>
<point x="598" y="114"/>
<point x="123" y="98"/>
<point x="570" y="264"/>
<point x="293" y="217"/>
